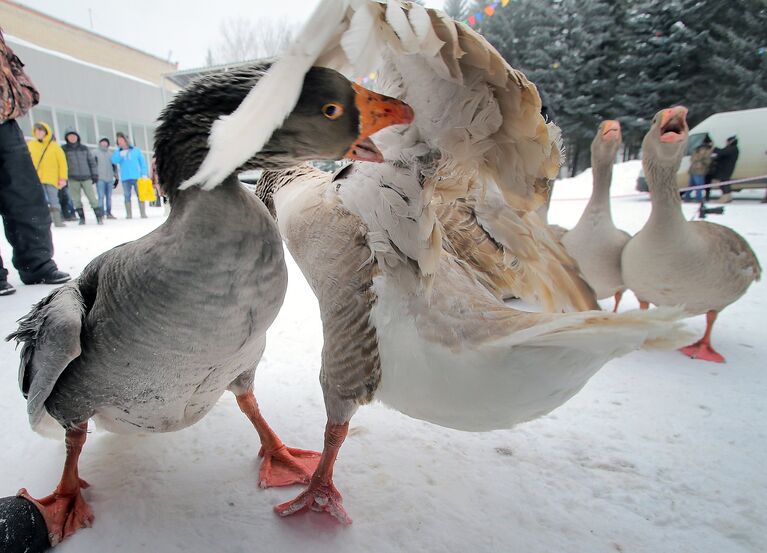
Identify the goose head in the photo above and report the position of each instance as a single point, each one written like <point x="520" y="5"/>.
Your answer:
<point x="606" y="142"/>
<point x="332" y="119"/>
<point x="666" y="141"/>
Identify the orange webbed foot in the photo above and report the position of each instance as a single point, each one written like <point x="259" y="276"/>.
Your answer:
<point x="702" y="350"/>
<point x="324" y="498"/>
<point x="286" y="466"/>
<point x="64" y="513"/>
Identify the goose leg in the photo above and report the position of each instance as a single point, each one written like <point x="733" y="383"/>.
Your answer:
<point x="322" y="495"/>
<point x="702" y="349"/>
<point x="65" y="511"/>
<point x="618" y="296"/>
<point x="281" y="465"/>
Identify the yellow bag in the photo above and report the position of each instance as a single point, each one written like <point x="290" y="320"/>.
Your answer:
<point x="146" y="190"/>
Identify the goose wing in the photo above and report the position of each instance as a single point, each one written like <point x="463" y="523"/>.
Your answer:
<point x="50" y="340"/>
<point x="463" y="360"/>
<point x="482" y="115"/>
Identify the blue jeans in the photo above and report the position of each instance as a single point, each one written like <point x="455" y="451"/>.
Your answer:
<point x="127" y="185"/>
<point x="104" y="190"/>
<point x="696" y="180"/>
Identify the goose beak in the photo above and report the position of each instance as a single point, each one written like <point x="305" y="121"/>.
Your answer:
<point x="673" y="124"/>
<point x="376" y="112"/>
<point x="611" y="130"/>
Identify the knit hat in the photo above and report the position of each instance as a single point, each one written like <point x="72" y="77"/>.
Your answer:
<point x="104" y="139"/>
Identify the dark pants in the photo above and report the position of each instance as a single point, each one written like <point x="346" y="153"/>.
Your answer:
<point x="67" y="209"/>
<point x="23" y="207"/>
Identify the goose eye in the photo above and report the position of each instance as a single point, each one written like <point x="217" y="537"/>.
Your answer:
<point x="332" y="111"/>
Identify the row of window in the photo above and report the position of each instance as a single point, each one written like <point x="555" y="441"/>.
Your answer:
<point x="90" y="128"/>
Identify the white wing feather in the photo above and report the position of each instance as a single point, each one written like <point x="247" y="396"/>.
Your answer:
<point x="237" y="137"/>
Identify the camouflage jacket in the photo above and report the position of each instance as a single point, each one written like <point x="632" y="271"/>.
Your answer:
<point x="17" y="93"/>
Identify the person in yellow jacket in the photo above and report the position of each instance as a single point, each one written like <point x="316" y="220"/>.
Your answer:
<point x="51" y="165"/>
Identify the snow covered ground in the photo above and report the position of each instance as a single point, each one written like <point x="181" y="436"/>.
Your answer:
<point x="658" y="453"/>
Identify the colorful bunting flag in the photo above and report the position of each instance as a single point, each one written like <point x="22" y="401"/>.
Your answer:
<point x="487" y="11"/>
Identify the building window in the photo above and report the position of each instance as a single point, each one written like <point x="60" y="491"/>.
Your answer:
<point x="123" y="127"/>
<point x="25" y="122"/>
<point x="151" y="136"/>
<point x="106" y="130"/>
<point x="139" y="136"/>
<point x="86" y="128"/>
<point x="42" y="114"/>
<point x="65" y="120"/>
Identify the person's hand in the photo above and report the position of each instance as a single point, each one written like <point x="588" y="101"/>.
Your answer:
<point x="115" y="183"/>
<point x="62" y="183"/>
<point x="95" y="181"/>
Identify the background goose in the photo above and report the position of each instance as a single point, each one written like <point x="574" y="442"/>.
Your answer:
<point x="154" y="331"/>
<point x="700" y="265"/>
<point x="595" y="242"/>
<point x="404" y="320"/>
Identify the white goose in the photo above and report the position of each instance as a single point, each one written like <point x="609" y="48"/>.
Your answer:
<point x="404" y="320"/>
<point x="703" y="266"/>
<point x="595" y="242"/>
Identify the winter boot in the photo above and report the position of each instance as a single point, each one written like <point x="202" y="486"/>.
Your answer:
<point x="81" y="214"/>
<point x="6" y="289"/>
<point x="110" y="216"/>
<point x="56" y="217"/>
<point x="128" y="211"/>
<point x="142" y="209"/>
<point x="99" y="216"/>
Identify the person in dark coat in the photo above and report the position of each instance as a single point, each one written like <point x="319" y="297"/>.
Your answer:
<point x="23" y="208"/>
<point x="724" y="166"/>
<point x="83" y="175"/>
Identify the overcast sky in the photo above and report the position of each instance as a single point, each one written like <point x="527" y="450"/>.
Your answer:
<point x="181" y="30"/>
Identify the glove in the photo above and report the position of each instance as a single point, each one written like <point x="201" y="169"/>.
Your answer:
<point x="95" y="181"/>
<point x="115" y="183"/>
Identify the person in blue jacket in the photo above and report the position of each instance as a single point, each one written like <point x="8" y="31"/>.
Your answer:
<point x="132" y="166"/>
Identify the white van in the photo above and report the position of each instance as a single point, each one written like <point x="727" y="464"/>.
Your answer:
<point x="750" y="126"/>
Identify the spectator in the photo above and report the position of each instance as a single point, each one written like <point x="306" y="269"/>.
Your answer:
<point x="725" y="160"/>
<point x="26" y="219"/>
<point x="83" y="175"/>
<point x="699" y="164"/>
<point x="106" y="174"/>
<point x="51" y="165"/>
<point x="132" y="166"/>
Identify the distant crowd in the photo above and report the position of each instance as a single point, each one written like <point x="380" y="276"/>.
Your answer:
<point x="710" y="165"/>
<point x="69" y="171"/>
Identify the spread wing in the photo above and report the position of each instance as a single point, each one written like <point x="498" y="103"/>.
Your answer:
<point x="480" y="114"/>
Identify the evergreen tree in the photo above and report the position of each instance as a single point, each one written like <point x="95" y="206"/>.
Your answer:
<point x="627" y="59"/>
<point x="457" y="9"/>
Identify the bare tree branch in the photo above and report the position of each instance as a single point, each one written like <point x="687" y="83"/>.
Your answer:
<point x="242" y="39"/>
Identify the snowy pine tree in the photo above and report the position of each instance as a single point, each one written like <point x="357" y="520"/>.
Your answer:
<point x="627" y="59"/>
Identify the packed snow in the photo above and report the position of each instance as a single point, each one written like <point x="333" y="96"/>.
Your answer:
<point x="658" y="453"/>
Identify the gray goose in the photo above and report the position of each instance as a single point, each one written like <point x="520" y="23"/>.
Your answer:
<point x="700" y="265"/>
<point x="595" y="242"/>
<point x="205" y="286"/>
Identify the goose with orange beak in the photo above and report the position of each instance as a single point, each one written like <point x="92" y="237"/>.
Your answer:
<point x="699" y="265"/>
<point x="595" y="242"/>
<point x="205" y="285"/>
